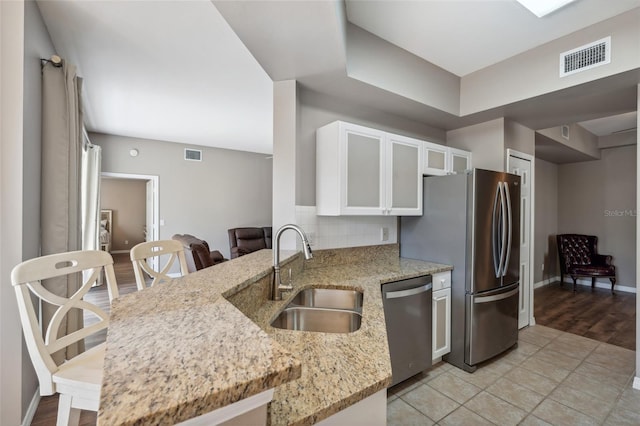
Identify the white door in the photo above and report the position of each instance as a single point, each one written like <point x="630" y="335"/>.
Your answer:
<point x="521" y="167"/>
<point x="150" y="226"/>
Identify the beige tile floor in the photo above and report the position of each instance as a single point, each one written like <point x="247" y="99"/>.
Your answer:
<point x="551" y="378"/>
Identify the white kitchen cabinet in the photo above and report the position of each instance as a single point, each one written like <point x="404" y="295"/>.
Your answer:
<point x="441" y="340"/>
<point x="459" y="160"/>
<point x="364" y="171"/>
<point x="443" y="160"/>
<point x="435" y="159"/>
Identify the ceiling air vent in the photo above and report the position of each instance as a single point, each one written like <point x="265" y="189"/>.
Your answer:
<point x="565" y="131"/>
<point x="585" y="57"/>
<point x="192" y="154"/>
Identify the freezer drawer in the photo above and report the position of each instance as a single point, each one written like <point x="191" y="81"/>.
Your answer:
<point x="492" y="323"/>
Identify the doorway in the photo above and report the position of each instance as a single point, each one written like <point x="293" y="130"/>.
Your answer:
<point x="151" y="201"/>
<point x="521" y="164"/>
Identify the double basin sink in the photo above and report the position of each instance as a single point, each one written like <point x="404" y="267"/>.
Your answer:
<point x="326" y="310"/>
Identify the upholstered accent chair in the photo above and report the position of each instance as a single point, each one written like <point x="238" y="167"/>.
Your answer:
<point x="198" y="253"/>
<point x="579" y="258"/>
<point x="246" y="240"/>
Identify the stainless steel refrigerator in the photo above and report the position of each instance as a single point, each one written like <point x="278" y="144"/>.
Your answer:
<point x="472" y="221"/>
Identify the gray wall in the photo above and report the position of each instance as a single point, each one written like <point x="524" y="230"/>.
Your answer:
<point x="486" y="141"/>
<point x="37" y="44"/>
<point x="227" y="189"/>
<point x="546" y="221"/>
<point x="519" y="137"/>
<point x="379" y="63"/>
<point x="579" y="139"/>
<point x="316" y="110"/>
<point x="127" y="199"/>
<point x="599" y="198"/>
<point x="502" y="83"/>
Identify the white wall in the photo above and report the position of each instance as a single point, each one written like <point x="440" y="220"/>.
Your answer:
<point x="11" y="205"/>
<point x="227" y="189"/>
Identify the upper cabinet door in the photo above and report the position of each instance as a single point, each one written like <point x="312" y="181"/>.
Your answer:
<point x="404" y="176"/>
<point x="363" y="181"/>
<point x="459" y="160"/>
<point x="443" y="160"/>
<point x="435" y="159"/>
<point x="349" y="170"/>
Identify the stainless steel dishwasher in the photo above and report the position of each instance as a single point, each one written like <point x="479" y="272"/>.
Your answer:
<point x="407" y="311"/>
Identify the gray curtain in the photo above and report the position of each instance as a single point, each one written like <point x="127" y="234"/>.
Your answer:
<point x="60" y="194"/>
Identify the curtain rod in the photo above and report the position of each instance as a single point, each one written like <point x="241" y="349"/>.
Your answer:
<point x="55" y="60"/>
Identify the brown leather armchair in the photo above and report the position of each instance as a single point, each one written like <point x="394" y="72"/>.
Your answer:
<point x="579" y="258"/>
<point x="198" y="253"/>
<point x="246" y="240"/>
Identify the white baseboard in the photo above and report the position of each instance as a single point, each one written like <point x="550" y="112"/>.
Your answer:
<point x="636" y="382"/>
<point x="120" y="251"/>
<point x="33" y="406"/>
<point x="546" y="282"/>
<point x="586" y="282"/>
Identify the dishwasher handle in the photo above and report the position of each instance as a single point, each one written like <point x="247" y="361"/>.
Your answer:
<point x="409" y="292"/>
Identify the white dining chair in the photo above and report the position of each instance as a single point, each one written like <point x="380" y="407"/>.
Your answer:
<point x="78" y="379"/>
<point x="167" y="251"/>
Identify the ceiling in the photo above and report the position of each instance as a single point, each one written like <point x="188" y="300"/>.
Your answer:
<point x="478" y="33"/>
<point x="176" y="71"/>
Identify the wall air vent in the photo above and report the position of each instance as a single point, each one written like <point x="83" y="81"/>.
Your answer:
<point x="192" y="154"/>
<point x="586" y="57"/>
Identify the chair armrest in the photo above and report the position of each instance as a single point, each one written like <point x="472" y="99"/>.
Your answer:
<point x="602" y="259"/>
<point x="216" y="256"/>
<point x="238" y="251"/>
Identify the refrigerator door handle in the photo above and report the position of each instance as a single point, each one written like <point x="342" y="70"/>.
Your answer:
<point x="495" y="243"/>
<point x="493" y="298"/>
<point x="507" y="196"/>
<point x="503" y="242"/>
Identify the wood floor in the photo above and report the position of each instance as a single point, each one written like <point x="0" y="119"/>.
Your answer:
<point x="595" y="314"/>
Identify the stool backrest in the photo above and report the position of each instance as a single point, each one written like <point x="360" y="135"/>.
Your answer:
<point x="166" y="250"/>
<point x="26" y="280"/>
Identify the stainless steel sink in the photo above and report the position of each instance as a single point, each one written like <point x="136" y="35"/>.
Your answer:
<point x="331" y="298"/>
<point x="327" y="310"/>
<point x="318" y="319"/>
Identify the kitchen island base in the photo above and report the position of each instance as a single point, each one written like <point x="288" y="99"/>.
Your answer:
<point x="249" y="411"/>
<point x="371" y="411"/>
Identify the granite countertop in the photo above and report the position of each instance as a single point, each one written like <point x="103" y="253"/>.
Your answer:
<point x="222" y="348"/>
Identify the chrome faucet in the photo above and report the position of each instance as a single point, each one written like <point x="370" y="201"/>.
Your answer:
<point x="276" y="286"/>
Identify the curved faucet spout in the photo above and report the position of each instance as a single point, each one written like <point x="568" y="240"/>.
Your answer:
<point x="277" y="287"/>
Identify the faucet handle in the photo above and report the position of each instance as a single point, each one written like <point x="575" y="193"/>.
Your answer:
<point x="289" y="285"/>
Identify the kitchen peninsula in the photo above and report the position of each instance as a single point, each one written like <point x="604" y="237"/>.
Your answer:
<point x="204" y="341"/>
